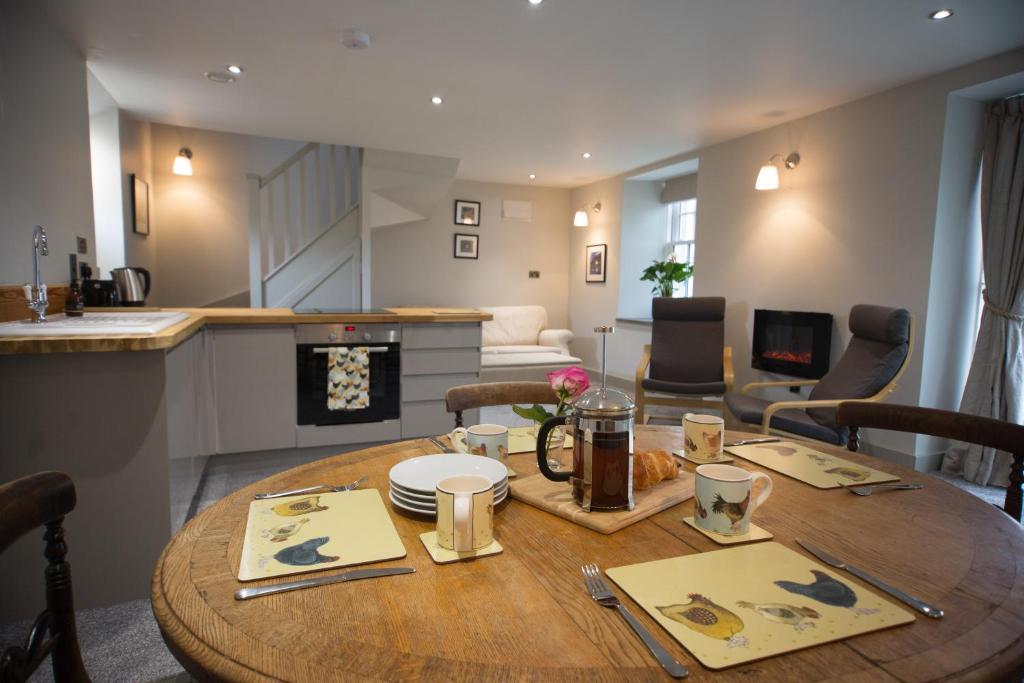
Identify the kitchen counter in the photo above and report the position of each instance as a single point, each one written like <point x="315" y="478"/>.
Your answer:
<point x="201" y="317"/>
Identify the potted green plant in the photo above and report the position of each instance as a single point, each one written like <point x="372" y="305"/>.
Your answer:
<point x="665" y="274"/>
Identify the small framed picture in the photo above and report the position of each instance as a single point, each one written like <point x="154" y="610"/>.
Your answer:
<point x="140" y="205"/>
<point x="467" y="212"/>
<point x="467" y="246"/>
<point x="597" y="257"/>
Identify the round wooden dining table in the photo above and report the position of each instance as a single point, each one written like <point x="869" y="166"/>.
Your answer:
<point x="525" y="614"/>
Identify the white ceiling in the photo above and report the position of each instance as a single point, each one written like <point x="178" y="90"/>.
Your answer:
<point x="527" y="89"/>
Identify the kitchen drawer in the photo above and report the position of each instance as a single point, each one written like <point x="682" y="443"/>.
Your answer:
<point x="432" y="387"/>
<point x="429" y="418"/>
<point x="331" y="435"/>
<point x="447" y="336"/>
<point x="440" y="361"/>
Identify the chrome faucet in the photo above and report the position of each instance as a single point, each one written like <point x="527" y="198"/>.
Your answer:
<point x="37" y="300"/>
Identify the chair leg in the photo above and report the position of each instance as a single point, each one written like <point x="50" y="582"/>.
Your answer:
<point x="458" y="418"/>
<point x="1013" y="491"/>
<point x="67" y="659"/>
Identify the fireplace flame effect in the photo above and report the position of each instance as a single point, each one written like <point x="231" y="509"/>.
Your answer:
<point x="791" y="356"/>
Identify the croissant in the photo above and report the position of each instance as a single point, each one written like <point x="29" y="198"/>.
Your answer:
<point x="651" y="467"/>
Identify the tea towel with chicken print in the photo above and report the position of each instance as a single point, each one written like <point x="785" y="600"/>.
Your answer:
<point x="348" y="378"/>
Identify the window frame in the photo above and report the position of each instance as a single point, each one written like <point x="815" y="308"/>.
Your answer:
<point x="676" y="214"/>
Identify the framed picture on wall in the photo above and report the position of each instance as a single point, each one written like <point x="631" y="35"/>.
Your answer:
<point x="467" y="212"/>
<point x="597" y="262"/>
<point x="467" y="246"/>
<point x="140" y="205"/>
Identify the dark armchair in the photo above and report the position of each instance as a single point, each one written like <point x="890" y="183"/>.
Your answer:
<point x="687" y="358"/>
<point x="869" y="369"/>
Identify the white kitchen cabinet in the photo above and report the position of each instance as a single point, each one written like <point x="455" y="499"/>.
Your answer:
<point x="254" y="387"/>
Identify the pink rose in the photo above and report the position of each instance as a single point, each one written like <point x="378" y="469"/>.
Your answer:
<point x="569" y="383"/>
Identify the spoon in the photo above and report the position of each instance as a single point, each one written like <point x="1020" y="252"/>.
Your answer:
<point x="868" y="490"/>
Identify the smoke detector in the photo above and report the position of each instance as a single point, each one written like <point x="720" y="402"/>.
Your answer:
<point x="354" y="39"/>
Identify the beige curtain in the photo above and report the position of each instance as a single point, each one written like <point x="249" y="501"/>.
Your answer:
<point x="995" y="383"/>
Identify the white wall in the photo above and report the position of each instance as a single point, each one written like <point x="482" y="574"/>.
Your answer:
<point x="105" y="151"/>
<point x="644" y="231"/>
<point x="44" y="138"/>
<point x="853" y="224"/>
<point x="201" y="221"/>
<point x="413" y="263"/>
<point x="137" y="158"/>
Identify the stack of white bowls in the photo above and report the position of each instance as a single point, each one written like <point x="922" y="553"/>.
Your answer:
<point x="413" y="482"/>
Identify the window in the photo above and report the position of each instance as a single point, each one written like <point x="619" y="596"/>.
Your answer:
<point x="682" y="233"/>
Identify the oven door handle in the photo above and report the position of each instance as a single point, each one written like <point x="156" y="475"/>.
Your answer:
<point x="372" y="349"/>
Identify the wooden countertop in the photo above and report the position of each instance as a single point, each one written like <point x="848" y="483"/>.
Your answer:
<point x="200" y="317"/>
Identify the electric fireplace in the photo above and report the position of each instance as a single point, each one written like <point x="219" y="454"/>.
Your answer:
<point x="792" y="342"/>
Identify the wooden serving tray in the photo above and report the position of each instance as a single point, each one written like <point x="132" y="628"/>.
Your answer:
<point x="556" y="498"/>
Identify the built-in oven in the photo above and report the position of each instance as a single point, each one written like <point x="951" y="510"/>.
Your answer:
<point x="314" y="344"/>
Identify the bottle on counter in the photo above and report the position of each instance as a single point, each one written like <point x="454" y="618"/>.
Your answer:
<point x="74" y="302"/>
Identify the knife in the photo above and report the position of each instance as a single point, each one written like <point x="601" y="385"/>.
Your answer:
<point x="921" y="606"/>
<point x="744" y="442"/>
<point x="246" y="593"/>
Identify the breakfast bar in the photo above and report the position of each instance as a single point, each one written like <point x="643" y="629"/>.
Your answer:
<point x="132" y="418"/>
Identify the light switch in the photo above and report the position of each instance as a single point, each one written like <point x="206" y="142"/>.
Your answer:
<point x="534" y="274"/>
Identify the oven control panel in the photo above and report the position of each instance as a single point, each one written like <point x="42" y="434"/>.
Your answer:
<point x="347" y="333"/>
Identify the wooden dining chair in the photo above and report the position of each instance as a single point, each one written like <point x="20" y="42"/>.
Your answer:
<point x="28" y="503"/>
<point x="984" y="431"/>
<point x="470" y="396"/>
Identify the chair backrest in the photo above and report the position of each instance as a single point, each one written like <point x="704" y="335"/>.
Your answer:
<point x="984" y="431"/>
<point x="469" y="396"/>
<point x="875" y="357"/>
<point x="687" y="338"/>
<point x="28" y="503"/>
<point x="513" y="325"/>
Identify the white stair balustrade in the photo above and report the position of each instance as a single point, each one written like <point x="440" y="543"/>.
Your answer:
<point x="304" y="237"/>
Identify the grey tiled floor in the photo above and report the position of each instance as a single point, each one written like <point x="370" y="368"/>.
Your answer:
<point x="122" y="643"/>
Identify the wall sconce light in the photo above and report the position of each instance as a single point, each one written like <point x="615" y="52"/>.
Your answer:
<point x="768" y="177"/>
<point x="581" y="220"/>
<point x="183" y="162"/>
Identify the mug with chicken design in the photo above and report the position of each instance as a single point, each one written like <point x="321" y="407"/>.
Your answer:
<point x="703" y="435"/>
<point x="725" y="498"/>
<point x="483" y="439"/>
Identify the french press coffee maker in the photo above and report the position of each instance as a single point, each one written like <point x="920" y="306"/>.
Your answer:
<point x="602" y="448"/>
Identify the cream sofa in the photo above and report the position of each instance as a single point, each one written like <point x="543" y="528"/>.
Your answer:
<point x="517" y="346"/>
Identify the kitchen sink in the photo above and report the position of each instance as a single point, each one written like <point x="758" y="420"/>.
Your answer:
<point x="94" y="324"/>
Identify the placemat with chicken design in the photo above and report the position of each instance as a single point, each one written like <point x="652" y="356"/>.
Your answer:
<point x="308" y="533"/>
<point x="818" y="469"/>
<point x="729" y="607"/>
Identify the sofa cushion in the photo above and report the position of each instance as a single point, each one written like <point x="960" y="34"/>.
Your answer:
<point x="494" y="360"/>
<point x="513" y="325"/>
<point x="750" y="409"/>
<point x="520" y="348"/>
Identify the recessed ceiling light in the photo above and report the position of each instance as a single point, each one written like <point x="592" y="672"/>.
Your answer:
<point x="586" y="155"/>
<point x="220" y="77"/>
<point x="235" y="69"/>
<point x="355" y="39"/>
<point x="941" y="14"/>
<point x="436" y="99"/>
<point x="533" y="176"/>
<point x="536" y="2"/>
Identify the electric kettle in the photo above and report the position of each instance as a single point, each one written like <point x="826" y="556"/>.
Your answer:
<point x="132" y="285"/>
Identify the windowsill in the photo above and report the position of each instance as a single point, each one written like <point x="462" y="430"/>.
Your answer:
<point x="635" y="321"/>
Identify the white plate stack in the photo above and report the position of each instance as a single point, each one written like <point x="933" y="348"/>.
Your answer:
<point x="413" y="482"/>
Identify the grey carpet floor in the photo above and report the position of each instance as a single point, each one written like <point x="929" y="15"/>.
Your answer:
<point x="122" y="643"/>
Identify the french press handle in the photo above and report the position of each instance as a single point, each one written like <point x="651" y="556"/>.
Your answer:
<point x="542" y="447"/>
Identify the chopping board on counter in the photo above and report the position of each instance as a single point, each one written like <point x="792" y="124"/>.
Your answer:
<point x="556" y="498"/>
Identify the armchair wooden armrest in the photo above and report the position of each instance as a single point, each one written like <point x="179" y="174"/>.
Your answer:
<point x="645" y="363"/>
<point x="769" y="412"/>
<point x="780" y="383"/>
<point x="728" y="376"/>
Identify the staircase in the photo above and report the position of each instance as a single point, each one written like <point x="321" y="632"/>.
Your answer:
<point x="304" y="230"/>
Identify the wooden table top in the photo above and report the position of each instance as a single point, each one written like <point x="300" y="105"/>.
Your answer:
<point x="524" y="614"/>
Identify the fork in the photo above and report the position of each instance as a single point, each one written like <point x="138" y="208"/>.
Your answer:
<point x="309" y="489"/>
<point x="603" y="596"/>
<point x="868" y="490"/>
